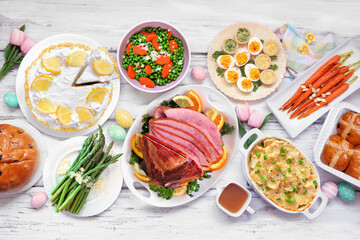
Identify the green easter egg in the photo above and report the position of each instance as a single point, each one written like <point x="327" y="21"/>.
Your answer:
<point x="346" y="192"/>
<point x="117" y="133"/>
<point x="11" y="100"/>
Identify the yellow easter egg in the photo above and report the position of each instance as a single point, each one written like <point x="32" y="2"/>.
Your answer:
<point x="124" y="118"/>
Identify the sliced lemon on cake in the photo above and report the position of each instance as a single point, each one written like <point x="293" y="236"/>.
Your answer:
<point x="51" y="64"/>
<point x="85" y="114"/>
<point x="103" y="67"/>
<point x="45" y="106"/>
<point x="76" y="59"/>
<point x="41" y="83"/>
<point x="183" y="101"/>
<point x="97" y="95"/>
<point x="63" y="114"/>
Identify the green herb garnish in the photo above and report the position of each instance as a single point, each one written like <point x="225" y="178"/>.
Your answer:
<point x="192" y="187"/>
<point x="315" y="183"/>
<point x="305" y="192"/>
<point x="289" y="170"/>
<point x="162" y="192"/>
<point x="286" y="192"/>
<point x="256" y="85"/>
<point x="278" y="199"/>
<point x="273" y="162"/>
<point x="220" y="72"/>
<point x="301" y="161"/>
<point x="289" y="160"/>
<point x="273" y="67"/>
<point x="145" y="119"/>
<point x="216" y="54"/>
<point x="256" y="171"/>
<point x="265" y="157"/>
<point x="303" y="180"/>
<point x="274" y="58"/>
<point x="257" y="154"/>
<point x="282" y="154"/>
<point x="171" y="104"/>
<point x="263" y="179"/>
<point x="134" y="158"/>
<point x="272" y="180"/>
<point x="278" y="168"/>
<point x="227" y="129"/>
<point x="291" y="200"/>
<point x="282" y="149"/>
<point x="296" y="189"/>
<point x="283" y="173"/>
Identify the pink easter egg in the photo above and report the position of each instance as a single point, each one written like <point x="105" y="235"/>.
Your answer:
<point x="39" y="199"/>
<point x="198" y="73"/>
<point x="330" y="189"/>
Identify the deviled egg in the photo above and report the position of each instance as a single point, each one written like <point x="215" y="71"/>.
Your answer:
<point x="255" y="46"/>
<point x="230" y="46"/>
<point x="225" y="61"/>
<point x="252" y="72"/>
<point x="241" y="57"/>
<point x="232" y="75"/>
<point x="245" y="84"/>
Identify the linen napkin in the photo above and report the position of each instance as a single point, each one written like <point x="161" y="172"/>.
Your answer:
<point x="297" y="62"/>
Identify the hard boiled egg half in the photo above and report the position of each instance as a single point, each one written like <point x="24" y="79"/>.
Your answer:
<point x="245" y="84"/>
<point x="225" y="61"/>
<point x="255" y="46"/>
<point x="241" y="57"/>
<point x="232" y="75"/>
<point x="252" y="72"/>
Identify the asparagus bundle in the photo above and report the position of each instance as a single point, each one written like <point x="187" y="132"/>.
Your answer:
<point x="73" y="189"/>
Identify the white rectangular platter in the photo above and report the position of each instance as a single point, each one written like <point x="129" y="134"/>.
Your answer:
<point x="294" y="126"/>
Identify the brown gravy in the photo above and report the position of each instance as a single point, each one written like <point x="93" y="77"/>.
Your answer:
<point x="233" y="198"/>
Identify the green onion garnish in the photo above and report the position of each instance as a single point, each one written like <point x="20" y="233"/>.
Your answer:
<point x="282" y="149"/>
<point x="257" y="154"/>
<point x="302" y="171"/>
<point x="303" y="180"/>
<point x="278" y="199"/>
<point x="296" y="189"/>
<point x="315" y="183"/>
<point x="273" y="162"/>
<point x="258" y="165"/>
<point x="263" y="179"/>
<point x="283" y="173"/>
<point x="282" y="154"/>
<point x="256" y="171"/>
<point x="266" y="188"/>
<point x="301" y="161"/>
<point x="304" y="192"/>
<point x="284" y="179"/>
<point x="291" y="200"/>
<point x="286" y="192"/>
<point x="289" y="160"/>
<point x="289" y="170"/>
<point x="278" y="168"/>
<point x="272" y="180"/>
<point x="265" y="157"/>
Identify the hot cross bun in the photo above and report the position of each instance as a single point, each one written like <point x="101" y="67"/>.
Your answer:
<point x="348" y="127"/>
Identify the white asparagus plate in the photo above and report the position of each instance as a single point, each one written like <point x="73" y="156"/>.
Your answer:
<point x="104" y="192"/>
<point x="210" y="97"/>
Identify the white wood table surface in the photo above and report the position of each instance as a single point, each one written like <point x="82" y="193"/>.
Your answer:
<point x="129" y="218"/>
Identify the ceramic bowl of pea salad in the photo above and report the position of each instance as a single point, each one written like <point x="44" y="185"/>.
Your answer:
<point x="153" y="56"/>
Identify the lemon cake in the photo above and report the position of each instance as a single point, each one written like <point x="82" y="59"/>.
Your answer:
<point x="61" y="103"/>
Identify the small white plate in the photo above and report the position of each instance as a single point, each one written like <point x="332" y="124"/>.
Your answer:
<point x="328" y="129"/>
<point x="20" y="81"/>
<point x="96" y="202"/>
<point x="43" y="152"/>
<point x="210" y="97"/>
<point x="294" y="126"/>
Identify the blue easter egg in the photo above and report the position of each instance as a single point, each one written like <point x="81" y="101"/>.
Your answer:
<point x="11" y="100"/>
<point x="117" y="133"/>
<point x="346" y="192"/>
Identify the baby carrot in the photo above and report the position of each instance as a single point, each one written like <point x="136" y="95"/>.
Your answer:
<point x="147" y="33"/>
<point x="130" y="44"/>
<point x="162" y="59"/>
<point x="150" y="37"/>
<point x="156" y="44"/>
<point x="166" y="70"/>
<point x="148" y="69"/>
<point x="147" y="82"/>
<point x="169" y="34"/>
<point x="173" y="45"/>
<point x="131" y="72"/>
<point x="139" y="50"/>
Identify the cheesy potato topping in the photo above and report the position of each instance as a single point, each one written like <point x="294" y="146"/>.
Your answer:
<point x="282" y="173"/>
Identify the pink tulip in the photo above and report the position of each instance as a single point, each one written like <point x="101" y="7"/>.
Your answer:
<point x="17" y="37"/>
<point x="256" y="119"/>
<point x="242" y="111"/>
<point x="27" y="45"/>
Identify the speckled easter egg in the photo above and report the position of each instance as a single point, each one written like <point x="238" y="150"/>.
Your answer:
<point x="346" y="192"/>
<point x="198" y="73"/>
<point x="10" y="100"/>
<point x="124" y="118"/>
<point x="39" y="199"/>
<point x="330" y="189"/>
<point x="117" y="133"/>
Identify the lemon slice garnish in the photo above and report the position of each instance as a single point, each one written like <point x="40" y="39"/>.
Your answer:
<point x="76" y="59"/>
<point x="212" y="113"/>
<point x="103" y="67"/>
<point x="64" y="115"/>
<point x="97" y="95"/>
<point x="85" y="114"/>
<point x="41" y="83"/>
<point x="45" y="106"/>
<point x="180" y="191"/>
<point x="183" y="101"/>
<point x="51" y="64"/>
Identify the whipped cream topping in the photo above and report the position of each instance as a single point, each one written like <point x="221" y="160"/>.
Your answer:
<point x="61" y="92"/>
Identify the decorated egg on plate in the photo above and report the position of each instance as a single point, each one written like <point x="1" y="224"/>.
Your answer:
<point x="346" y="192"/>
<point x="330" y="189"/>
<point x="252" y="72"/>
<point x="255" y="46"/>
<point x="245" y="84"/>
<point x="10" y="100"/>
<point x="124" y="118"/>
<point x="241" y="57"/>
<point x="232" y="75"/>
<point x="225" y="61"/>
<point x="117" y="133"/>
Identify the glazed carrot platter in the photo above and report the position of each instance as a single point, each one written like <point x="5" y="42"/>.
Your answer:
<point x="162" y="119"/>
